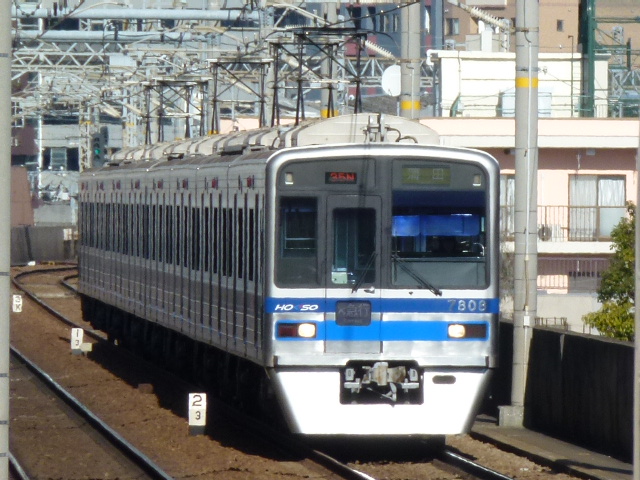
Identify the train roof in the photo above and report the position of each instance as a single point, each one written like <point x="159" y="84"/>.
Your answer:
<point x="353" y="128"/>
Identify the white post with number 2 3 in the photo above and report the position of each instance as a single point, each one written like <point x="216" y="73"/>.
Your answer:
<point x="197" y="413"/>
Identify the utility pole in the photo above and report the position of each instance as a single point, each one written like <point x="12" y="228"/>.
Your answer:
<point x="526" y="185"/>
<point x="410" y="71"/>
<point x="5" y="231"/>
<point x="328" y="70"/>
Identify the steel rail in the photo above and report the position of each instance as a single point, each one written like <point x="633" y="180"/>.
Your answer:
<point x="139" y="458"/>
<point x="479" y="471"/>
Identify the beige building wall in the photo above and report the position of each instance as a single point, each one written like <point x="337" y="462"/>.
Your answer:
<point x="479" y="84"/>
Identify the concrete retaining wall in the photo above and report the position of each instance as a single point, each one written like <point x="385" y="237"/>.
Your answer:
<point x="572" y="306"/>
<point x="579" y="388"/>
<point x="43" y="244"/>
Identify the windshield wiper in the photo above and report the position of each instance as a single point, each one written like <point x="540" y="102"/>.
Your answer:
<point x="367" y="267"/>
<point x="416" y="276"/>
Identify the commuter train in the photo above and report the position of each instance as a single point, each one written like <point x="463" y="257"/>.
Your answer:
<point x="344" y="269"/>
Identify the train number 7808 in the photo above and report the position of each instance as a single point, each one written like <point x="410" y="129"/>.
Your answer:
<point x="462" y="305"/>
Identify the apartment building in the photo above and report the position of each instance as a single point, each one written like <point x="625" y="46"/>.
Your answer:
<point x="586" y="174"/>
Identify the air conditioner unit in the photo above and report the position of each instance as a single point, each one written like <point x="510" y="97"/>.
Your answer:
<point x="545" y="233"/>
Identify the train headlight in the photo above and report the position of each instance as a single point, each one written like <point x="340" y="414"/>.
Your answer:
<point x="307" y="330"/>
<point x="297" y="330"/>
<point x="456" y="330"/>
<point x="467" y="330"/>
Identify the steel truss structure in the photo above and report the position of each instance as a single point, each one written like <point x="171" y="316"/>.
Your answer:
<point x="164" y="74"/>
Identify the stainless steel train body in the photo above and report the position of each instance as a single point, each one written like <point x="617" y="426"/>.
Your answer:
<point x="361" y="277"/>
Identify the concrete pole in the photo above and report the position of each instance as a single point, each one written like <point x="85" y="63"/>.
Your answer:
<point x="526" y="185"/>
<point x="328" y="69"/>
<point x="5" y="231"/>
<point x="410" y="19"/>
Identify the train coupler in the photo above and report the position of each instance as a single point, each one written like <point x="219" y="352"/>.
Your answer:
<point x="381" y="383"/>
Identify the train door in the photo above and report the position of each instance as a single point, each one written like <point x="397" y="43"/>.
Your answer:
<point x="353" y="240"/>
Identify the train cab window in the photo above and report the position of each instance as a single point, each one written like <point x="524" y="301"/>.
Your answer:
<point x="439" y="239"/>
<point x="353" y="246"/>
<point x="298" y="243"/>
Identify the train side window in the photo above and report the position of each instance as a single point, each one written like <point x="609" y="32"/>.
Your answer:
<point x="178" y="235"/>
<point x="216" y="229"/>
<point x="240" y="243"/>
<point x="207" y="225"/>
<point x="169" y="233"/>
<point x="186" y="230"/>
<point x="107" y="226"/>
<point x="231" y="242"/>
<point x="119" y="223"/>
<point x="252" y="244"/>
<point x="195" y="238"/>
<point x="135" y="237"/>
<point x="161" y="232"/>
<point x="136" y="229"/>
<point x="92" y="221"/>
<point x="141" y="234"/>
<point x="154" y="230"/>
<point x="223" y="241"/>
<point x="100" y="229"/>
<point x="127" y="228"/>
<point x="146" y="232"/>
<point x="298" y="242"/>
<point x="107" y="230"/>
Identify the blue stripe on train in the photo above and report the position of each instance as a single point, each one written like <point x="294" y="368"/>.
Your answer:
<point x="393" y="331"/>
<point x="387" y="305"/>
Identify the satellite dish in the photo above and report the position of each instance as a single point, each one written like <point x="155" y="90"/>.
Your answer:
<point x="391" y="81"/>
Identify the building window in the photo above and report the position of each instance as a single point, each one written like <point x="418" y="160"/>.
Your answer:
<point x="560" y="25"/>
<point x="596" y="205"/>
<point x="385" y="23"/>
<point x="427" y="19"/>
<point x="58" y="158"/>
<point x="452" y="26"/>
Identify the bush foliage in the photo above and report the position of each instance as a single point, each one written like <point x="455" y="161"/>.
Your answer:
<point x="617" y="289"/>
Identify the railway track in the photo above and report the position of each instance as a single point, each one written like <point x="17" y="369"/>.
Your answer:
<point x="86" y="434"/>
<point x="45" y="290"/>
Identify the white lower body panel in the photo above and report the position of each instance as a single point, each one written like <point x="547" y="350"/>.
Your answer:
<point x="311" y="403"/>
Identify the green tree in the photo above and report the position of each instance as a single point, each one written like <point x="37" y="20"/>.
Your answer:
<point x="617" y="289"/>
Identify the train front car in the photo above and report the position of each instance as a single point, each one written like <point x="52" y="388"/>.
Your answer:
<point x="383" y="305"/>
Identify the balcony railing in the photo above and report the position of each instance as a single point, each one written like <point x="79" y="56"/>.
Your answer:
<point x="567" y="223"/>
<point x="570" y="275"/>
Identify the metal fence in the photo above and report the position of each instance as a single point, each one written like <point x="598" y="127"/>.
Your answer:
<point x="567" y="223"/>
<point x="570" y="274"/>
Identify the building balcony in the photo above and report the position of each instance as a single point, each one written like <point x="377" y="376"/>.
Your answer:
<point x="562" y="229"/>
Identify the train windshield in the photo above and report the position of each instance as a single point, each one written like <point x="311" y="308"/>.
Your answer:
<point x="439" y="239"/>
